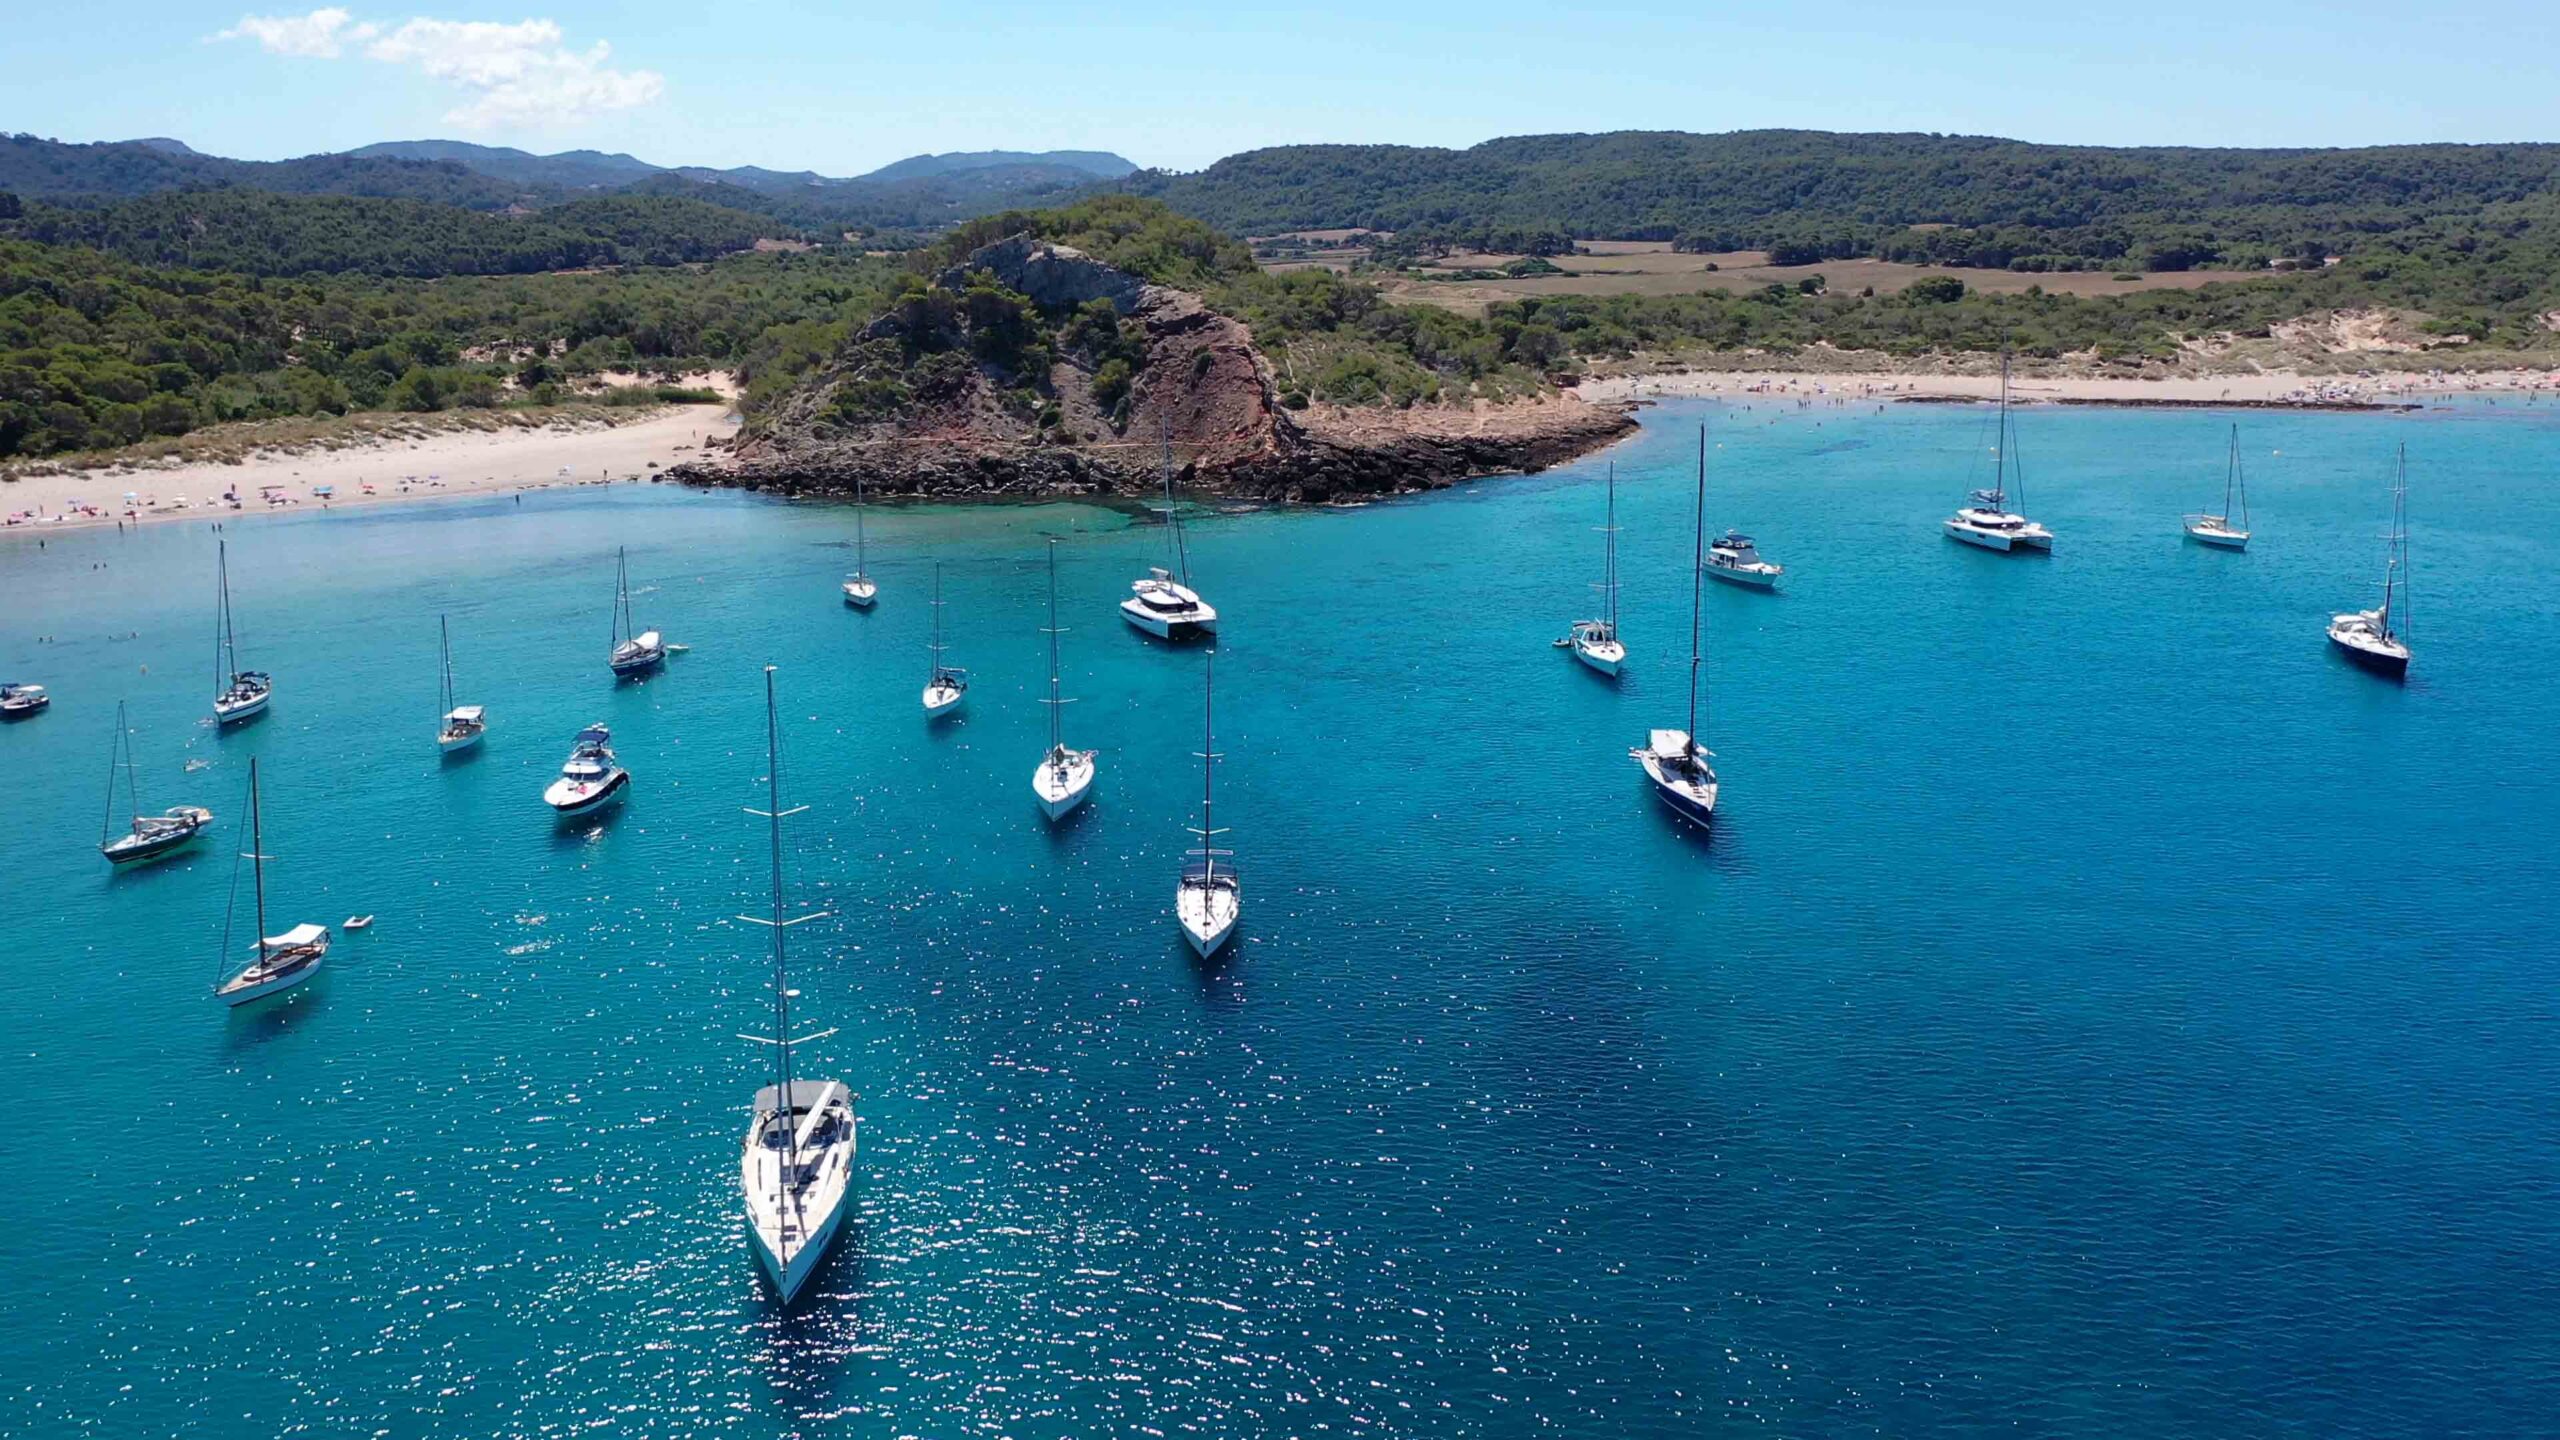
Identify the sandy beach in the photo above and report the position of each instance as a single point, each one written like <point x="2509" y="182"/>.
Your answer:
<point x="2273" y="387"/>
<point x="455" y="463"/>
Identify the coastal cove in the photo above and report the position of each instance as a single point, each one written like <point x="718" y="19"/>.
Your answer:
<point x="2099" y="1010"/>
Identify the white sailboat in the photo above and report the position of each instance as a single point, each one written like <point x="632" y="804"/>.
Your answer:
<point x="147" y="837"/>
<point x="1681" y="769"/>
<point x="798" y="1162"/>
<point x="591" y="778"/>
<point x="2228" y="530"/>
<point x="1595" y="642"/>
<point x="280" y="961"/>
<point x="2371" y="638"/>
<point x="462" y="726"/>
<point x="1210" y="897"/>
<point x="860" y="591"/>
<point x="946" y="689"/>
<point x="634" y="652"/>
<point x="1064" y="777"/>
<point x="1162" y="603"/>
<point x="1987" y="522"/>
<point x="237" y="693"/>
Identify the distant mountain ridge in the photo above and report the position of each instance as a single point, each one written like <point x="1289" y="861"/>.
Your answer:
<point x="586" y="169"/>
<point x="1101" y="164"/>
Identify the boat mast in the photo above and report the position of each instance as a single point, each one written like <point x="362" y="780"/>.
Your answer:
<point x="781" y="981"/>
<point x="223" y="656"/>
<point x="257" y="860"/>
<point x="936" y="646"/>
<point x="2000" y="448"/>
<point x="857" y="525"/>
<point x="2398" y="555"/>
<point x="1057" y="741"/>
<point x="1181" y="552"/>
<point x="1208" y="764"/>
<point x="107" y="827"/>
<point x="444" y="648"/>
<point x="1697" y="588"/>
<point x="1609" y="571"/>
<point x="621" y="596"/>
<point x="2231" y="482"/>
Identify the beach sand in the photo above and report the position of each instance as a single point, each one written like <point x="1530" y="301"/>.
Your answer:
<point x="2273" y="387"/>
<point x="457" y="463"/>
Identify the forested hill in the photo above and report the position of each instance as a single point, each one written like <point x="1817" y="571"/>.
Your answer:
<point x="39" y="169"/>
<point x="1844" y="193"/>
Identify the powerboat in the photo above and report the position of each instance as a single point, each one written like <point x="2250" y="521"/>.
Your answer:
<point x="148" y="837"/>
<point x="1209" y="898"/>
<point x="1678" y="767"/>
<point x="797" y="1167"/>
<point x="2228" y="530"/>
<point x="635" y="652"/>
<point x="1988" y="523"/>
<point x="591" y="778"/>
<point x="2371" y="638"/>
<point x="280" y="962"/>
<point x="20" y="701"/>
<point x="946" y="687"/>
<point x="1735" y="560"/>
<point x="1064" y="776"/>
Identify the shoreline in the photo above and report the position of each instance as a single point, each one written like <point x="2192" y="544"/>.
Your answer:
<point x="2259" y="390"/>
<point x="381" y="472"/>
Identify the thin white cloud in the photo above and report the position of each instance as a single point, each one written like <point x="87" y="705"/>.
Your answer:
<point x="511" y="74"/>
<point x="320" y="35"/>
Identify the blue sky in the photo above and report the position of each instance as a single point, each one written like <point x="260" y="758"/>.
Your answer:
<point x="842" y="89"/>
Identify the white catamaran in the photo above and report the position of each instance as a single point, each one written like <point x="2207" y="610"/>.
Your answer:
<point x="634" y="652"/>
<point x="860" y="591"/>
<point x="1162" y="603"/>
<point x="1673" y="760"/>
<point x="1064" y="777"/>
<point x="2228" y="530"/>
<point x="149" y="836"/>
<point x="946" y="687"/>
<point x="1595" y="642"/>
<point x="237" y="693"/>
<point x="280" y="961"/>
<point x="462" y="726"/>
<point x="1987" y="521"/>
<point x="798" y="1161"/>
<point x="2372" y="638"/>
<point x="1210" y="897"/>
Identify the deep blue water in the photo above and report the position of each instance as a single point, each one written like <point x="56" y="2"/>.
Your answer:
<point x="2100" y="1011"/>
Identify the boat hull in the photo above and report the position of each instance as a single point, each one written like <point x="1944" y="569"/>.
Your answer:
<point x="25" y="711"/>
<point x="455" y="746"/>
<point x="1604" y="658"/>
<point x="1979" y="539"/>
<point x="236" y="994"/>
<point x="861" y="595"/>
<point x="790" y="1277"/>
<point x="1208" y="922"/>
<point x="573" y="800"/>
<point x="634" y="668"/>
<point x="1748" y="580"/>
<point x="149" y="849"/>
<point x="233" y="714"/>
<point x="1165" y="627"/>
<point x="2221" y="539"/>
<point x="1057" y="801"/>
<point x="938" y="702"/>
<point x="2390" y="664"/>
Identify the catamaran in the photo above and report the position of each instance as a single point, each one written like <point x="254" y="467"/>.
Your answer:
<point x="1210" y="896"/>
<point x="2224" y="531"/>
<point x="1595" y="642"/>
<point x="237" y="693"/>
<point x="859" y="589"/>
<point x="633" y="653"/>
<point x="591" y="778"/>
<point x="1987" y="521"/>
<point x="2371" y="637"/>
<point x="1064" y="777"/>
<point x="946" y="688"/>
<point x="1673" y="760"/>
<point x="149" y="836"/>
<point x="1162" y="603"/>
<point x="463" y="725"/>
<point x="798" y="1161"/>
<point x="281" y="961"/>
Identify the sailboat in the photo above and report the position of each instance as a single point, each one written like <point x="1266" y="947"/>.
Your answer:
<point x="633" y="653"/>
<point x="2222" y="531"/>
<point x="1162" y="602"/>
<point x="281" y="961"/>
<point x="798" y="1161"/>
<point x="1211" y="896"/>
<point x="859" y="590"/>
<point x="947" y="688"/>
<point x="1595" y="642"/>
<point x="149" y="836"/>
<point x="237" y="693"/>
<point x="1987" y="521"/>
<point x="1064" y="777"/>
<point x="1673" y="760"/>
<point x="2370" y="637"/>
<point x="463" y="725"/>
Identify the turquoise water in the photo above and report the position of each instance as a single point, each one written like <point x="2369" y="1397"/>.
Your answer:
<point x="2099" y="1011"/>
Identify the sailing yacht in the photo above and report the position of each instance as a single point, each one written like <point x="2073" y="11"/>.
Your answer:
<point x="21" y="701"/>
<point x="2370" y="637"/>
<point x="633" y="653"/>
<point x="149" y="836"/>
<point x="859" y="589"/>
<point x="1162" y="603"/>
<point x="281" y="961"/>
<point x="1210" y="896"/>
<point x="591" y="778"/>
<point x="1988" y="522"/>
<point x="1673" y="760"/>
<point x="798" y="1160"/>
<point x="463" y="725"/>
<point x="2223" y="531"/>
<point x="1064" y="777"/>
<point x="946" y="689"/>
<point x="1735" y="560"/>
<point x="1595" y="642"/>
<point x="237" y="693"/>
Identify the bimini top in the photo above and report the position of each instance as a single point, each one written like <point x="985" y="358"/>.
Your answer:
<point x="1197" y="869"/>
<point x="472" y="712"/>
<point x="299" y="935"/>
<point x="1735" y="539"/>
<point x="805" y="1095"/>
<point x="592" y="735"/>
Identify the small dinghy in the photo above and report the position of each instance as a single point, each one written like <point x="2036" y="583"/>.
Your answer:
<point x="357" y="922"/>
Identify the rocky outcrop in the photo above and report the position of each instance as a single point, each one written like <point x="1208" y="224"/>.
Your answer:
<point x="1202" y="390"/>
